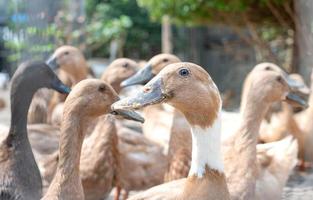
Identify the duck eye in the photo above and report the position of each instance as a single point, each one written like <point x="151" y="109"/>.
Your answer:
<point x="101" y="88"/>
<point x="279" y="79"/>
<point x="165" y="60"/>
<point x="184" y="72"/>
<point x="125" y="65"/>
<point x="268" y="68"/>
<point x="66" y="53"/>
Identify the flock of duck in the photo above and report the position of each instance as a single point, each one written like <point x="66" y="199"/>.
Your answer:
<point x="74" y="142"/>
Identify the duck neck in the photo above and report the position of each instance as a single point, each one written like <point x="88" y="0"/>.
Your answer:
<point x="21" y="97"/>
<point x="72" y="135"/>
<point x="251" y="118"/>
<point x="206" y="149"/>
<point x="207" y="171"/>
<point x="241" y="156"/>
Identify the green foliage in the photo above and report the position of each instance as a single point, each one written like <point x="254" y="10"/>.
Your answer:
<point x="190" y="11"/>
<point x="123" y="20"/>
<point x="104" y="26"/>
<point x="207" y="11"/>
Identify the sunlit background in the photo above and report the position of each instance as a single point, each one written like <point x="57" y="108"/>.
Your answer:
<point x="228" y="37"/>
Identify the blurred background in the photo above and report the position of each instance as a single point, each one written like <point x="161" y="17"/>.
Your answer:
<point x="227" y="37"/>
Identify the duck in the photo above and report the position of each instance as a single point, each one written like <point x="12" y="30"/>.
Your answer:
<point x="246" y="177"/>
<point x="180" y="148"/>
<point x="176" y="84"/>
<point x="72" y="68"/>
<point x="71" y="60"/>
<point x="283" y="123"/>
<point x="165" y="125"/>
<point x="17" y="161"/>
<point x="88" y="100"/>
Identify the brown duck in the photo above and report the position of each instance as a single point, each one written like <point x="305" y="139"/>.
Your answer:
<point x="89" y="99"/>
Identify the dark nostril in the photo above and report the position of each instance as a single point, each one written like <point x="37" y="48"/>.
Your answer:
<point x="114" y="113"/>
<point x="146" y="89"/>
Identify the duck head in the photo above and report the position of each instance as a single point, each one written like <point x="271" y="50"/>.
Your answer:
<point x="294" y="84"/>
<point x="67" y="58"/>
<point x="35" y="75"/>
<point x="185" y="86"/>
<point x="92" y="97"/>
<point x="271" y="86"/>
<point x="152" y="68"/>
<point x="119" y="70"/>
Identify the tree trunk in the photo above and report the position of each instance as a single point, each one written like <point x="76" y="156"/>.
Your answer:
<point x="295" y="55"/>
<point x="166" y="35"/>
<point x="304" y="37"/>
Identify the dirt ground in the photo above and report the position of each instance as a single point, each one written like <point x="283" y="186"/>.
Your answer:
<point x="299" y="186"/>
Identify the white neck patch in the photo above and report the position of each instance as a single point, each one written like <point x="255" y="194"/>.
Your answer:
<point x="206" y="148"/>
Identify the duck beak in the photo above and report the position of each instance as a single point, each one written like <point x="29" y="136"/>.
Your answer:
<point x="152" y="93"/>
<point x="143" y="76"/>
<point x="59" y="86"/>
<point x="128" y="114"/>
<point x="297" y="86"/>
<point x="296" y="101"/>
<point x="52" y="63"/>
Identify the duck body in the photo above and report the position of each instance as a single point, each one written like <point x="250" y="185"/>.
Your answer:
<point x="275" y="162"/>
<point x="17" y="161"/>
<point x="179" y="152"/>
<point x="158" y="126"/>
<point x="143" y="163"/>
<point x="100" y="161"/>
<point x="194" y="189"/>
<point x="15" y="181"/>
